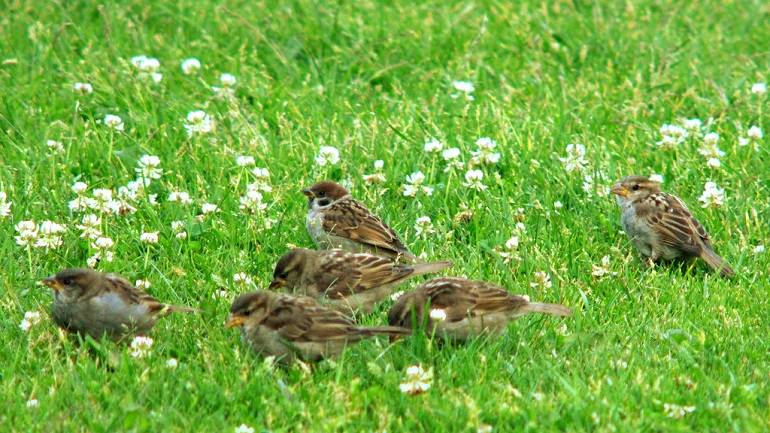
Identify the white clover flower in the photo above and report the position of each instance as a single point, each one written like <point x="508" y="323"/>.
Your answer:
<point x="199" y="123"/>
<point x="657" y="178"/>
<point x="242" y="279"/>
<point x="33" y="403"/>
<point x="712" y="196"/>
<point x="597" y="183"/>
<point x="541" y="279"/>
<point x="423" y="226"/>
<point x="437" y="314"/>
<point x="144" y="63"/>
<point x="512" y="243"/>
<point x="252" y="202"/>
<point x="676" y="411"/>
<point x="713" y="163"/>
<point x="209" y="208"/>
<point x="49" y="235"/>
<point x="148" y="167"/>
<point x="754" y="133"/>
<point x="149" y="237"/>
<point x="417" y="380"/>
<point x="31" y="318"/>
<point x="180" y="197"/>
<point x="82" y="88"/>
<point x="55" y="146"/>
<point x="227" y="80"/>
<point x="79" y="187"/>
<point x="473" y="180"/>
<point x="394" y="297"/>
<point x="379" y="164"/>
<point x="672" y="136"/>
<point x="172" y="363"/>
<point x="558" y="205"/>
<point x="451" y="154"/>
<point x="575" y="159"/>
<point x="433" y="146"/>
<point x="5" y="206"/>
<point x="414" y="185"/>
<point x="114" y="122"/>
<point x="143" y="284"/>
<point x="603" y="270"/>
<point x="758" y="249"/>
<point x="743" y="141"/>
<point x="178" y="226"/>
<point x="759" y="89"/>
<point x="711" y="138"/>
<point x="191" y="66"/>
<point x="245" y="161"/>
<point x="103" y="243"/>
<point x="28" y="233"/>
<point x="141" y="347"/>
<point x="692" y="125"/>
<point x="102" y="194"/>
<point x="243" y="428"/>
<point x="464" y="86"/>
<point x="327" y="155"/>
<point x="484" y="154"/>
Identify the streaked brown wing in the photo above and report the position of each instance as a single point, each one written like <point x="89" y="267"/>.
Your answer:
<point x="678" y="227"/>
<point x="461" y="298"/>
<point x="338" y="274"/>
<point x="289" y="317"/>
<point x="129" y="294"/>
<point x="351" y="219"/>
<point x="379" y="271"/>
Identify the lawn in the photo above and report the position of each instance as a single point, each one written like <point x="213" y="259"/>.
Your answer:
<point x="504" y="123"/>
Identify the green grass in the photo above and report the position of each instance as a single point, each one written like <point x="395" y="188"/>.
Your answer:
<point x="374" y="80"/>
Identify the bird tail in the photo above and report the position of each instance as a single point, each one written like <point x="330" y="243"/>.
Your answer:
<point x="178" y="309"/>
<point x="539" y="307"/>
<point x="429" y="268"/>
<point x="393" y="331"/>
<point x="717" y="263"/>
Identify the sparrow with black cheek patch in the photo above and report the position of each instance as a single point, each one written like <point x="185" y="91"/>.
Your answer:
<point x="289" y="327"/>
<point x="660" y="226"/>
<point x="352" y="283"/>
<point x="461" y="309"/>
<point x="337" y="220"/>
<point x="93" y="303"/>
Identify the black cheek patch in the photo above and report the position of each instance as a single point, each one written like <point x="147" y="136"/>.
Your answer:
<point x="324" y="202"/>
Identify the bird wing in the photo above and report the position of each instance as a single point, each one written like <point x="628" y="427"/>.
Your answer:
<point x="678" y="227"/>
<point x="338" y="274"/>
<point x="131" y="295"/>
<point x="461" y="298"/>
<point x="301" y="319"/>
<point x="351" y="219"/>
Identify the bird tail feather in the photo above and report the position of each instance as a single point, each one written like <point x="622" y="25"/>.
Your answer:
<point x="429" y="268"/>
<point x="717" y="263"/>
<point x="555" y="309"/>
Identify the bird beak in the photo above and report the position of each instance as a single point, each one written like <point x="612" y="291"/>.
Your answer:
<point x="233" y="321"/>
<point x="308" y="193"/>
<point x="53" y="283"/>
<point x="620" y="190"/>
<point x="394" y="338"/>
<point x="277" y="284"/>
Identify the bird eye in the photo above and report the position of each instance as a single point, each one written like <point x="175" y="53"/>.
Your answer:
<point x="66" y="281"/>
<point x="635" y="187"/>
<point x="247" y="313"/>
<point x="321" y="193"/>
<point x="283" y="275"/>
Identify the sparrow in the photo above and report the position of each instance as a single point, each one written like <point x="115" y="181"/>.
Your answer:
<point x="291" y="327"/>
<point x="460" y="309"/>
<point x="347" y="282"/>
<point x="337" y="220"/>
<point x="660" y="226"/>
<point x="93" y="303"/>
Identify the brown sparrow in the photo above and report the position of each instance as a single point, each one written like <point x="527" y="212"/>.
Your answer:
<point x="660" y="226"/>
<point x="350" y="283"/>
<point x="461" y="309"/>
<point x="337" y="220"/>
<point x="292" y="326"/>
<point x="99" y="304"/>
